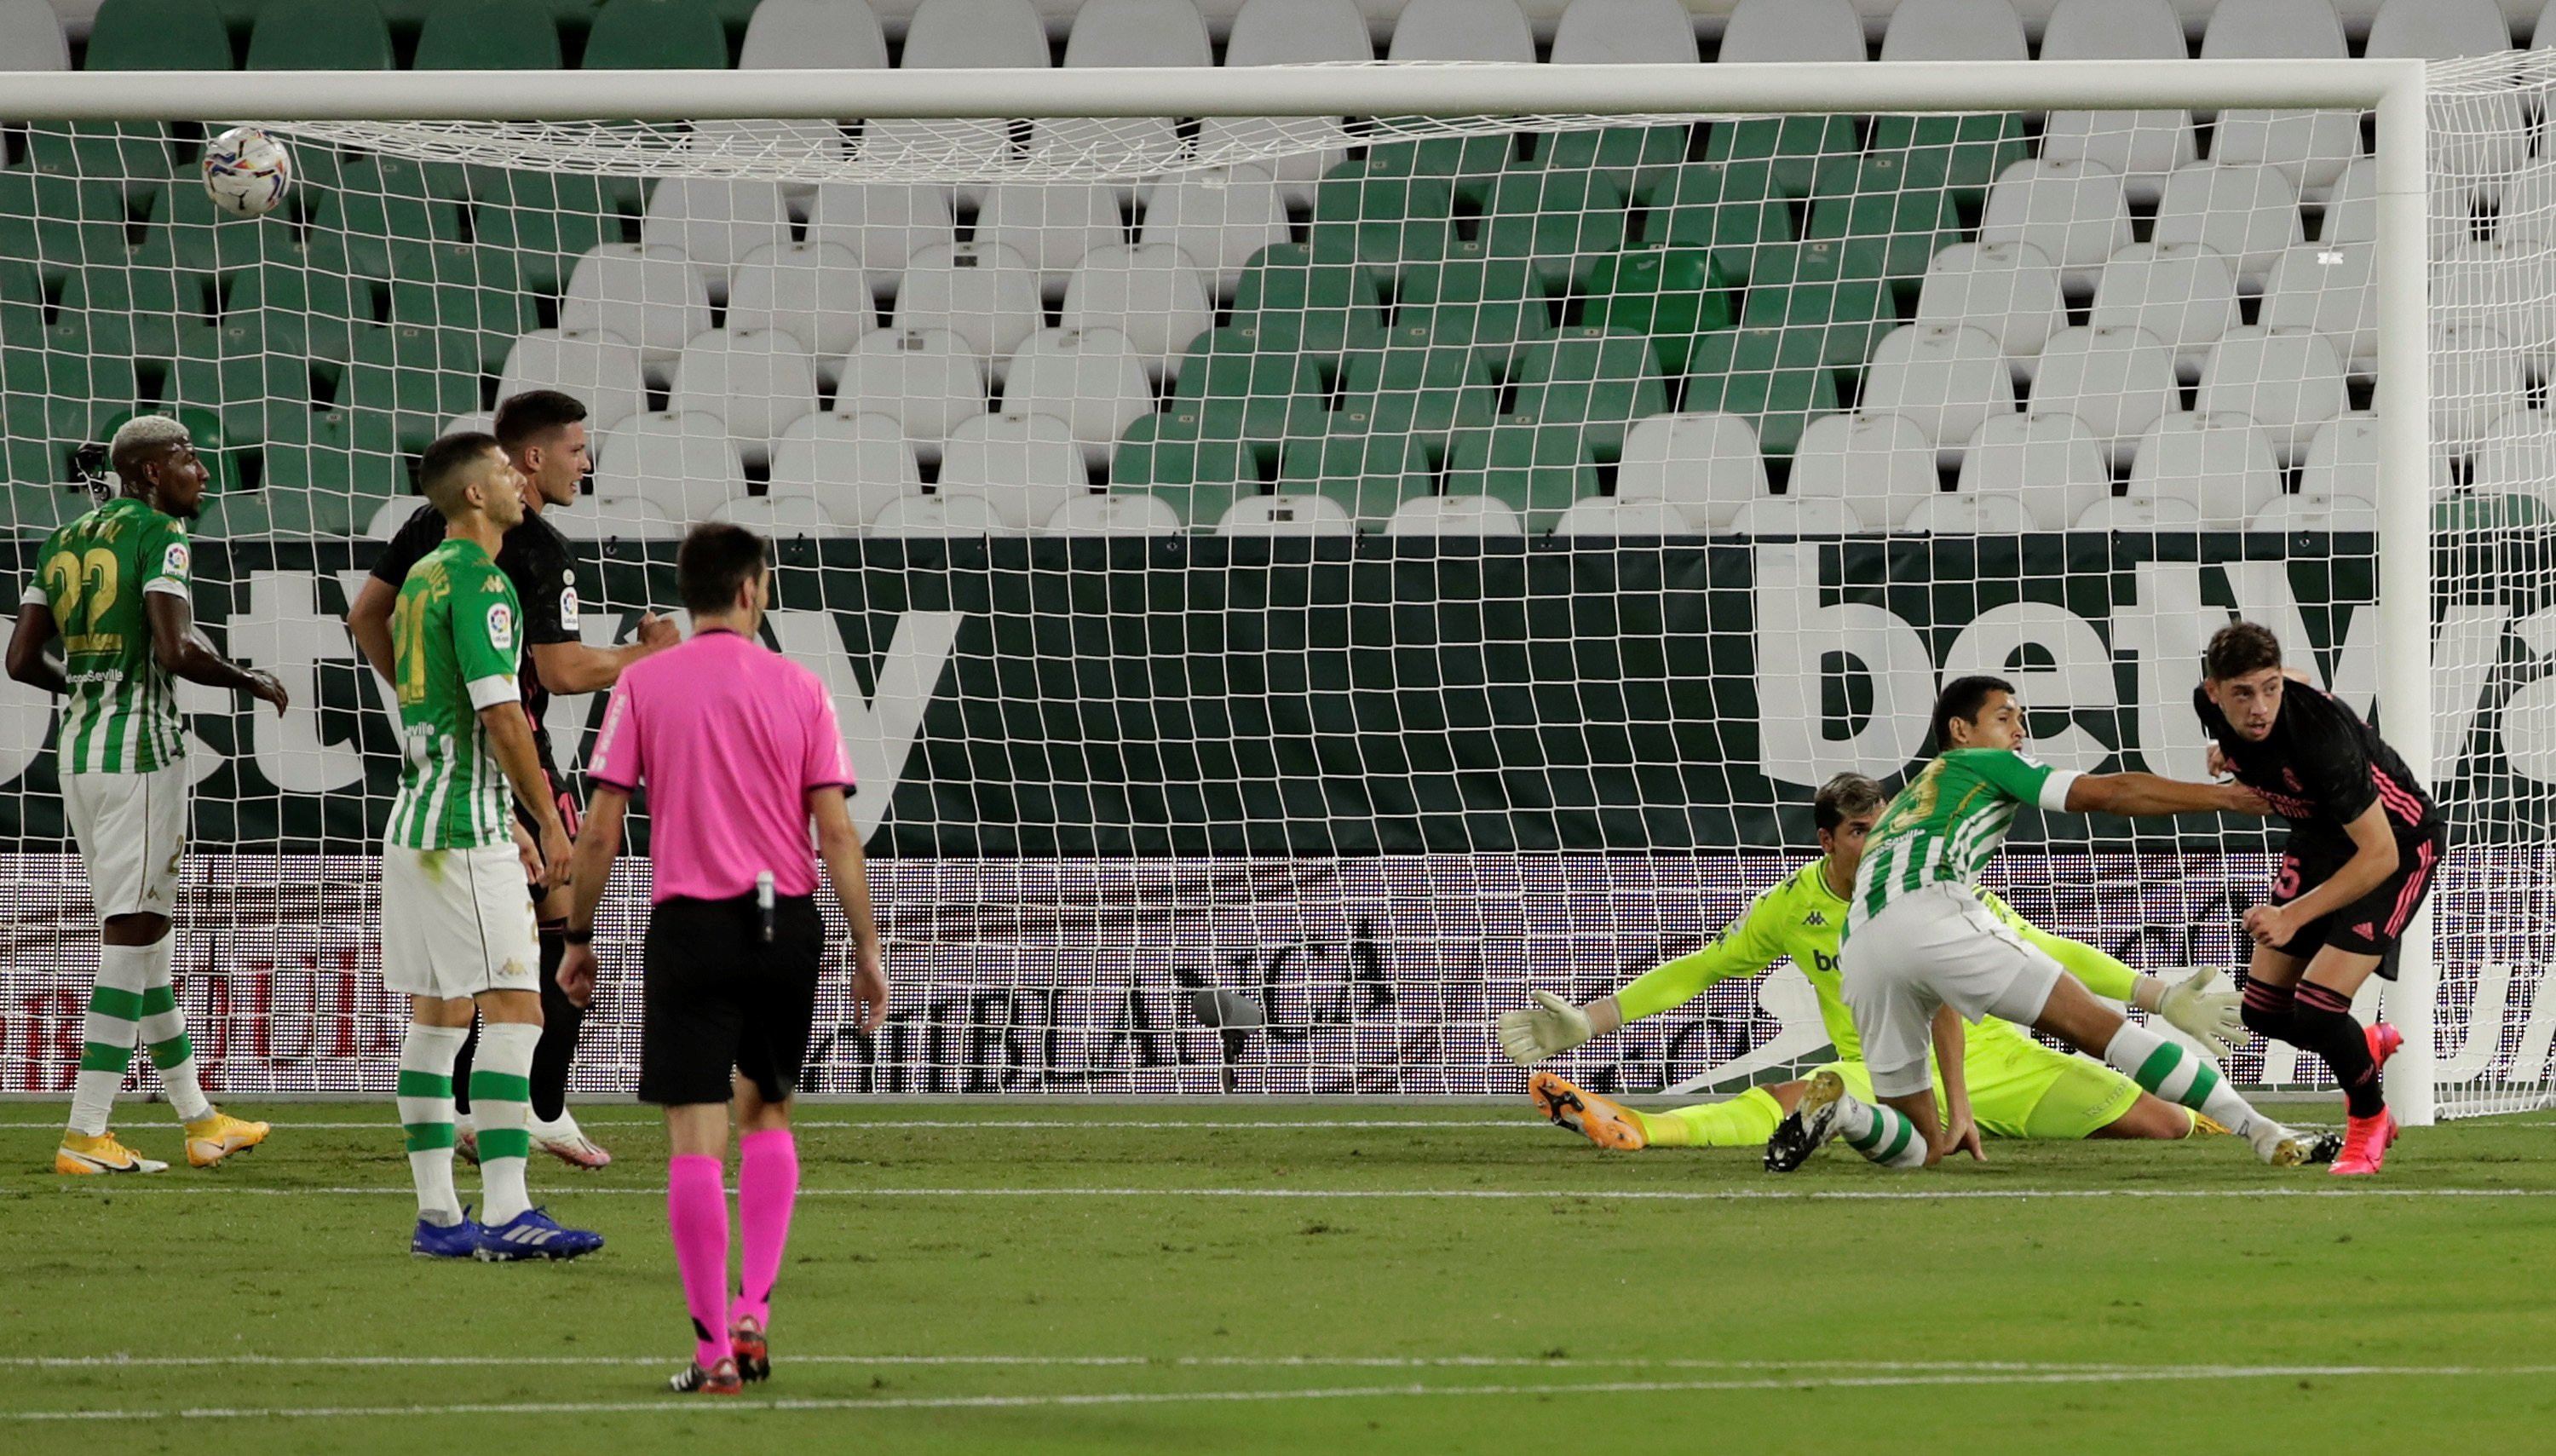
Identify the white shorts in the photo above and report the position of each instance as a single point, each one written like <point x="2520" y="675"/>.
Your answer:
<point x="1930" y="948"/>
<point x="132" y="832"/>
<point x="457" y="922"/>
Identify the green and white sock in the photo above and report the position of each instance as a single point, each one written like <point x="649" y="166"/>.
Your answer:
<point x="2181" y="1076"/>
<point x="1885" y="1136"/>
<point x="163" y="1031"/>
<point x="501" y="1098"/>
<point x="108" y="1032"/>
<point x="426" y="1115"/>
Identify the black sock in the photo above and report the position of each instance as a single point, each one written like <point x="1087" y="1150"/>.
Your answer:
<point x="2271" y="1012"/>
<point x="2327" y="1028"/>
<point x="461" y="1067"/>
<point x="560" y="1021"/>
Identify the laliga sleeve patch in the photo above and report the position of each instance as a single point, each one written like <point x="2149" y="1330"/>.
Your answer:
<point x="567" y="609"/>
<point x="174" y="561"/>
<point x="501" y="626"/>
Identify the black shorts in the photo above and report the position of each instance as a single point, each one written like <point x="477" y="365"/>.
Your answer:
<point x="2370" y="925"/>
<point x="563" y="798"/>
<point x="720" y="996"/>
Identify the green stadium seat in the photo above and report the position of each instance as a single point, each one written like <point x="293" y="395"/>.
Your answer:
<point x="385" y="217"/>
<point x="656" y="35"/>
<point x="1238" y="393"/>
<point x="1808" y="287"/>
<point x="258" y="394"/>
<point x="1669" y="294"/>
<point x="1419" y="388"/>
<point x="1369" y="475"/>
<point x="1561" y="220"/>
<point x="22" y="302"/>
<point x="159" y="34"/>
<point x="36" y="507"/>
<point x="1634" y="157"/>
<point x="1720" y="207"/>
<point x="1388" y="220"/>
<point x="234" y="516"/>
<point x="403" y="373"/>
<point x="62" y="394"/>
<point x="1891" y="230"/>
<point x="1471" y="165"/>
<point x="130" y="156"/>
<point x="60" y="224"/>
<point x="488" y="35"/>
<point x="1597" y="378"/>
<point x="1296" y="305"/>
<point x="1964" y="154"/>
<point x="203" y="430"/>
<point x="320" y="34"/>
<point x="548" y="223"/>
<point x="136" y="309"/>
<point x="1792" y="146"/>
<point x="477" y="325"/>
<point x="331" y="482"/>
<point x="2489" y="511"/>
<point x="300" y="311"/>
<point x="185" y="231"/>
<point x="1492" y="306"/>
<point x="1197" y="478"/>
<point x="1533" y="467"/>
<point x="1773" y="377"/>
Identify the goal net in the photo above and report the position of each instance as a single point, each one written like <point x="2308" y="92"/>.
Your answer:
<point x="1291" y="586"/>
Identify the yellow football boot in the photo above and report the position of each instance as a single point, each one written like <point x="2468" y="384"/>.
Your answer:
<point x="1599" y="1119"/>
<point x="82" y="1156"/>
<point x="218" y="1134"/>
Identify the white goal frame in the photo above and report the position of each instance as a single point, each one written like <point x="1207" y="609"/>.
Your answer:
<point x="2397" y="90"/>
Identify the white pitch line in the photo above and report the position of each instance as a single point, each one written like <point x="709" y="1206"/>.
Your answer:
<point x="886" y="1124"/>
<point x="1167" y="1361"/>
<point x="665" y="1405"/>
<point x="1668" y="1195"/>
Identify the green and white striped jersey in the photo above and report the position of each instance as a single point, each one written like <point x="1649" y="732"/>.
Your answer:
<point x="1949" y="822"/>
<point x="121" y="712"/>
<point x="453" y="643"/>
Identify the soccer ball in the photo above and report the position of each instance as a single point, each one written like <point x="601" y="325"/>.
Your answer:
<point x="247" y="171"/>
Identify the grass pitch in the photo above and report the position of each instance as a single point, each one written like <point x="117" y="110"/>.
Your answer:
<point x="1388" y="1277"/>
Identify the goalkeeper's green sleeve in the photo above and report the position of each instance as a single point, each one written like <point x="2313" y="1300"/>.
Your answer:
<point x="1748" y="947"/>
<point x="2103" y="974"/>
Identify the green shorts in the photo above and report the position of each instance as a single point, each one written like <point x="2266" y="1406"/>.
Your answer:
<point x="2023" y="1089"/>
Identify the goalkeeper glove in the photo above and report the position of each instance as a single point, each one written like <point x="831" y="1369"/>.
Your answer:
<point x="1548" y="1028"/>
<point x="2210" y="1018"/>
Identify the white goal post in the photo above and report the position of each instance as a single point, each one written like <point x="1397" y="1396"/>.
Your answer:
<point x="2396" y="91"/>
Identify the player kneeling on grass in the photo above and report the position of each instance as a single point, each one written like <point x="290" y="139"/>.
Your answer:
<point x="1922" y="955"/>
<point x="740" y="754"/>
<point x="2019" y="1088"/>
<point x="456" y="920"/>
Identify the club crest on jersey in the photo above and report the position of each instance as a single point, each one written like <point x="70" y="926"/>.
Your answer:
<point x="501" y="626"/>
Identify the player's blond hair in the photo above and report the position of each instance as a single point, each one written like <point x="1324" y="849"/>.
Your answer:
<point x="142" y="437"/>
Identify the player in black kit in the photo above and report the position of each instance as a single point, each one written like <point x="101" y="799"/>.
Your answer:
<point x="2364" y="843"/>
<point x="543" y="432"/>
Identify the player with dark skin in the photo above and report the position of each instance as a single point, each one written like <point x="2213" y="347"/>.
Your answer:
<point x="169" y="479"/>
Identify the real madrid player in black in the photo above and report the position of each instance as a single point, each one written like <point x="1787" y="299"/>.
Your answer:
<point x="2364" y="841"/>
<point x="543" y="432"/>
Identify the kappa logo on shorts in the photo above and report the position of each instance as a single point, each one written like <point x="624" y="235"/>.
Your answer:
<point x="513" y="969"/>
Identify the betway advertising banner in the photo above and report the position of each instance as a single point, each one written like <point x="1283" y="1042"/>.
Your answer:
<point x="1200" y="696"/>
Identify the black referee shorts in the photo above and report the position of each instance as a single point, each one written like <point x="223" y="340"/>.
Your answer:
<point x="720" y="996"/>
<point x="2373" y="924"/>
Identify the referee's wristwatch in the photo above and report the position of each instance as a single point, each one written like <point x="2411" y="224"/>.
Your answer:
<point x="578" y="937"/>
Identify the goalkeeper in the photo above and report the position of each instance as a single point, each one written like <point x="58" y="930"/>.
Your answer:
<point x="2019" y="1087"/>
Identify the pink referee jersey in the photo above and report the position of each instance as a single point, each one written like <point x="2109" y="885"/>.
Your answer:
<point x="729" y="737"/>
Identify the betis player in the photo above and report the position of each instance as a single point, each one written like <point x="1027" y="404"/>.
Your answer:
<point x="2019" y="1088"/>
<point x="115" y="585"/>
<point x="457" y="929"/>
<point x="1922" y="955"/>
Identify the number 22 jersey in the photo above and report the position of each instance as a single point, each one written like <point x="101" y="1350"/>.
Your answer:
<point x="120" y="714"/>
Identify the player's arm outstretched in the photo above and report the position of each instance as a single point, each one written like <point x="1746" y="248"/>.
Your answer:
<point x="1552" y="1025"/>
<point x="183" y="652"/>
<point x="2209" y="1016"/>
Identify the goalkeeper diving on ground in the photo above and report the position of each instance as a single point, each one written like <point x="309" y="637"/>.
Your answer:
<point x="2019" y="1087"/>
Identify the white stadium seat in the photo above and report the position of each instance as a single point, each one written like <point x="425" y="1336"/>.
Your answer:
<point x="1088" y="378"/>
<point x="2222" y="465"/>
<point x="1291" y="33"/>
<point x="2116" y="381"/>
<point x="936" y="515"/>
<point x="1286" y="515"/>
<point x="1955" y="29"/>
<point x="758" y="380"/>
<point x="2329" y="287"/>
<point x="1614" y="30"/>
<point x="715" y="223"/>
<point x="1794" y="30"/>
<point x="882" y="224"/>
<point x="1051" y="224"/>
<point x="1454" y="515"/>
<point x="1798" y="515"/>
<point x="2183" y="294"/>
<point x="927" y="380"/>
<point x="1966" y="515"/>
<point x="2010" y="290"/>
<point x="984" y="293"/>
<point x="2503" y="286"/>
<point x="2307" y="512"/>
<point x="1219" y="218"/>
<point x="2288" y="381"/>
<point x="2050" y="463"/>
<point x="1138" y="33"/>
<point x="2438" y="30"/>
<point x="1708" y="465"/>
<point x="652" y="297"/>
<point x="783" y="517"/>
<point x="1462" y="30"/>
<point x="2543" y="35"/>
<point x="2113" y="30"/>
<point x="2478" y="378"/>
<point x="1121" y="514"/>
<point x="1152" y="293"/>
<point x="2248" y="215"/>
<point x="2343" y="457"/>
<point x="818" y="35"/>
<point x="1022" y="466"/>
<point x="851" y="465"/>
<point x="599" y="370"/>
<point x="684" y="465"/>
<point x="2143" y="146"/>
<point x="2073" y="212"/>
<point x="2517" y="455"/>
<point x="2309" y="147"/>
<point x="31" y="36"/>
<point x="816" y="292"/>
<point x="2139" y="513"/>
<point x="2352" y="209"/>
<point x="1946" y="379"/>
<point x="1882" y="466"/>
<point x="945" y="34"/>
<point x="1621" y="517"/>
<point x="389" y="516"/>
<point x="617" y="517"/>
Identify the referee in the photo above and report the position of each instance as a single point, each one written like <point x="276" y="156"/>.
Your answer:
<point x="738" y="748"/>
